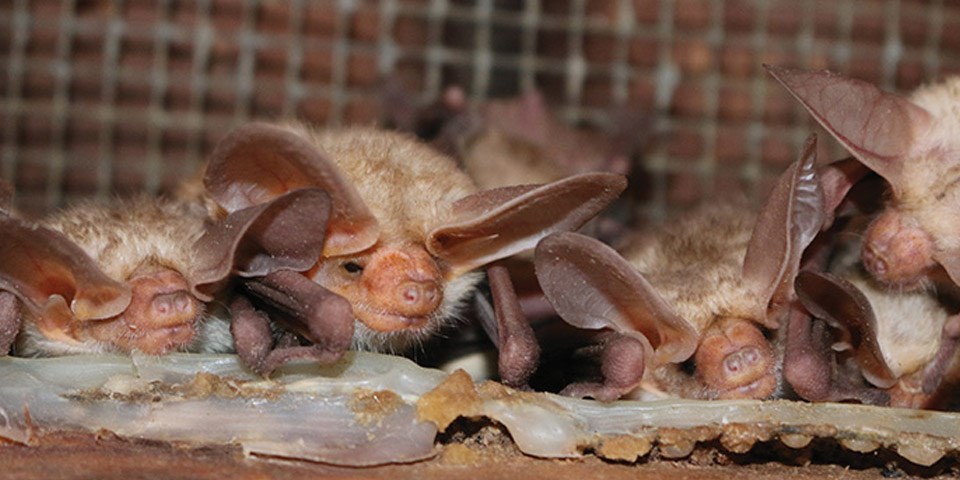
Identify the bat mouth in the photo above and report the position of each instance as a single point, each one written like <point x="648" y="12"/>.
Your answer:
<point x="165" y="339"/>
<point x="762" y="387"/>
<point x="383" y="321"/>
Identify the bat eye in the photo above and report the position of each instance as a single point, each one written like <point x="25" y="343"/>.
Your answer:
<point x="352" y="267"/>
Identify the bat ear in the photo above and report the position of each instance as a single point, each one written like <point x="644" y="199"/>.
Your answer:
<point x="501" y="222"/>
<point x="785" y="227"/>
<point x="593" y="287"/>
<point x="285" y="233"/>
<point x="43" y="269"/>
<point x="258" y="162"/>
<point x="837" y="179"/>
<point x="877" y="127"/>
<point x="843" y="306"/>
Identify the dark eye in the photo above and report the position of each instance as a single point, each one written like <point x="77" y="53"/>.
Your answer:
<point x="352" y="267"/>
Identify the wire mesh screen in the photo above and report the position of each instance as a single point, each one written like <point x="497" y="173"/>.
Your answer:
<point x="107" y="97"/>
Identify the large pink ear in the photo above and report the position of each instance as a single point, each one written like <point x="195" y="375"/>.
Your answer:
<point x="38" y="265"/>
<point x="258" y="162"/>
<point x="285" y="233"/>
<point x="498" y="223"/>
<point x="843" y="306"/>
<point x="877" y="127"/>
<point x="591" y="286"/>
<point x="789" y="221"/>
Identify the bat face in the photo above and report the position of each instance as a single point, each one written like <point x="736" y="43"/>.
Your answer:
<point x="407" y="227"/>
<point x="135" y="275"/>
<point x="913" y="144"/>
<point x="704" y="288"/>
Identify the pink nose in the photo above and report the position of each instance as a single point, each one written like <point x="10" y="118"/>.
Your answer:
<point x="175" y="304"/>
<point x="742" y="362"/>
<point x="418" y="298"/>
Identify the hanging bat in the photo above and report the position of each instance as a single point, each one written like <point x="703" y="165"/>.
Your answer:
<point x="407" y="231"/>
<point x="135" y="275"/>
<point x="700" y="294"/>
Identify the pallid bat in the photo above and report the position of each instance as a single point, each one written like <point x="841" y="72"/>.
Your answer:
<point x="135" y="275"/>
<point x="914" y="243"/>
<point x="408" y="229"/>
<point x="700" y="289"/>
<point x="517" y="140"/>
<point x="893" y="339"/>
<point x="913" y="143"/>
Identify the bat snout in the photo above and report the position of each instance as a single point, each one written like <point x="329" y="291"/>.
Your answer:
<point x="418" y="298"/>
<point x="897" y="251"/>
<point x="173" y="308"/>
<point x="735" y="360"/>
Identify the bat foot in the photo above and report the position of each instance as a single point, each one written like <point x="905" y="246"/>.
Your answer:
<point x="622" y="364"/>
<point x="281" y="356"/>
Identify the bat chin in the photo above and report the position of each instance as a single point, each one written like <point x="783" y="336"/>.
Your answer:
<point x="163" y="340"/>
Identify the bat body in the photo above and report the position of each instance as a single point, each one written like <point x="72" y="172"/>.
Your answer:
<point x="408" y="229"/>
<point x="701" y="292"/>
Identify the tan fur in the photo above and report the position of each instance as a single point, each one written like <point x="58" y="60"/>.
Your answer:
<point x="695" y="263"/>
<point x="407" y="185"/>
<point x="122" y="235"/>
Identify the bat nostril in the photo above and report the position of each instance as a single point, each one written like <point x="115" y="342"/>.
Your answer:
<point x="176" y="303"/>
<point x="411" y="293"/>
<point x="741" y="360"/>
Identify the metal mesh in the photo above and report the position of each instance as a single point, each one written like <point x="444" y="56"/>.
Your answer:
<point x="114" y="97"/>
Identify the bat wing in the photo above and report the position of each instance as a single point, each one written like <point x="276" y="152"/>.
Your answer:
<point x="285" y="233"/>
<point x="498" y="223"/>
<point x="591" y="286"/>
<point x="259" y="162"/>
<point x="844" y="306"/>
<point x="877" y="127"/>
<point x="42" y="268"/>
<point x="789" y="221"/>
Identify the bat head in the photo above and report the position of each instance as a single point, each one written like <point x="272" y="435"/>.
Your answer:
<point x="406" y="227"/>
